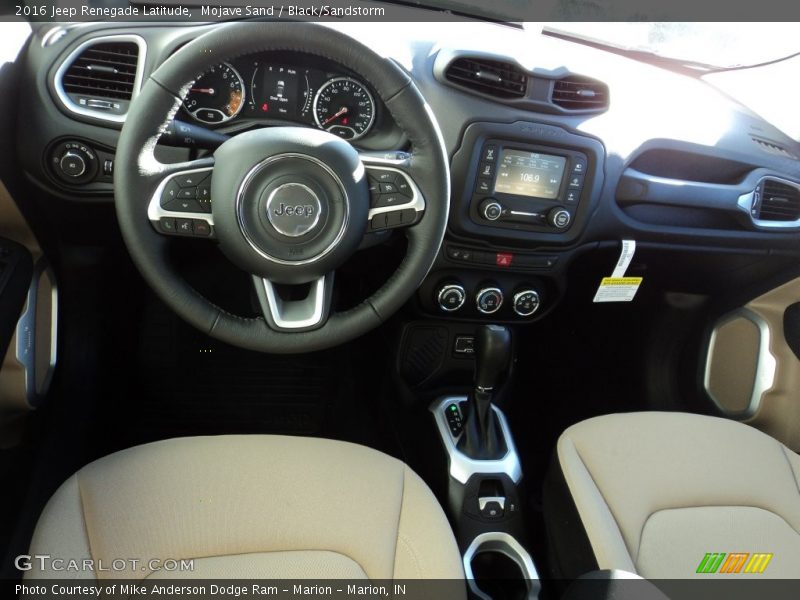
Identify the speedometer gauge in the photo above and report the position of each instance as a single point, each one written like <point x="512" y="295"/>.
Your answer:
<point x="344" y="107"/>
<point x="217" y="96"/>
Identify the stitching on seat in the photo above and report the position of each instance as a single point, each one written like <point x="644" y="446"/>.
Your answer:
<point x="83" y="515"/>
<point x="399" y="516"/>
<point x="608" y="506"/>
<point x="409" y="547"/>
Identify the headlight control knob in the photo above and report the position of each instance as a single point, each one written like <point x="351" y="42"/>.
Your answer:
<point x="72" y="163"/>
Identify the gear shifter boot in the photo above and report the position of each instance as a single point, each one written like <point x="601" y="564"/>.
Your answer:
<point x="481" y="439"/>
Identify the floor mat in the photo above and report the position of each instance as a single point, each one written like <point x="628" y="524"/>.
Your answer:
<point x="181" y="382"/>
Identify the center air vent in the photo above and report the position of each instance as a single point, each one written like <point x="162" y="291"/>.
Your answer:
<point x="492" y="77"/>
<point x="576" y="93"/>
<point x="780" y="201"/>
<point x="101" y="76"/>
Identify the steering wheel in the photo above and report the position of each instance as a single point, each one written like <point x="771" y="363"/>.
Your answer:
<point x="288" y="204"/>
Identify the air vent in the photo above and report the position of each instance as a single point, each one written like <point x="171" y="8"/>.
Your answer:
<point x="580" y="94"/>
<point x="101" y="76"/>
<point x="492" y="77"/>
<point x="780" y="201"/>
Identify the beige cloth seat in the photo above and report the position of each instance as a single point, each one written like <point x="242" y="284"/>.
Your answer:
<point x="249" y="507"/>
<point x="654" y="492"/>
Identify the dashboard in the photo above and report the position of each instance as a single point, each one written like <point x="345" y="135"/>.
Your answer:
<point x="557" y="151"/>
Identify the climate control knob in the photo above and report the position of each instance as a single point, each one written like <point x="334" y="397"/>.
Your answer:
<point x="526" y="302"/>
<point x="491" y="210"/>
<point x="451" y="297"/>
<point x="489" y="300"/>
<point x="559" y="218"/>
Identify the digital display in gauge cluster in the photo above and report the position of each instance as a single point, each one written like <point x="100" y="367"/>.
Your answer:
<point x="263" y="90"/>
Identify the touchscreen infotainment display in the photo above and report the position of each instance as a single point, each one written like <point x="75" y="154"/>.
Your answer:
<point x="529" y="174"/>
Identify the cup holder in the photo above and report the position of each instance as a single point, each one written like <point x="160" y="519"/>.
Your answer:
<point x="499" y="568"/>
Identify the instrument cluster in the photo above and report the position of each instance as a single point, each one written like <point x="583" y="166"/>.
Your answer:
<point x="263" y="88"/>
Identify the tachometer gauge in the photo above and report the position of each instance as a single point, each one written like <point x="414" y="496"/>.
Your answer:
<point x="217" y="96"/>
<point x="344" y="107"/>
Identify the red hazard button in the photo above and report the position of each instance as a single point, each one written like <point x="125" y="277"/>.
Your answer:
<point x="504" y="259"/>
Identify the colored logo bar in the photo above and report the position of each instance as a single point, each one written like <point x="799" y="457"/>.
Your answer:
<point x="734" y="562"/>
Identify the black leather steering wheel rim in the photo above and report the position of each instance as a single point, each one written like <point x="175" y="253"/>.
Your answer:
<point x="137" y="173"/>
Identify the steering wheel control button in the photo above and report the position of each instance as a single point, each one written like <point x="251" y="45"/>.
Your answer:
<point x="383" y="176"/>
<point x="388" y="188"/>
<point x="184" y="226"/>
<point x="385" y="200"/>
<point x="170" y="193"/>
<point x="185" y="193"/>
<point x="167" y="225"/>
<point x="404" y="187"/>
<point x="559" y="218"/>
<point x="190" y="180"/>
<point x="201" y="228"/>
<point x="492" y="210"/>
<point x="451" y="297"/>
<point x="293" y="209"/>
<point x="526" y="302"/>
<point x="489" y="300"/>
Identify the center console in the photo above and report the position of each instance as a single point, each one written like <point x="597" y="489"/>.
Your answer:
<point x="523" y="193"/>
<point x="485" y="496"/>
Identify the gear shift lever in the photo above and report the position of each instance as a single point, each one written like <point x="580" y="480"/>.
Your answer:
<point x="492" y="353"/>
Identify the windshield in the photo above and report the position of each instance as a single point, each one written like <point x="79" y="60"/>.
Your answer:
<point x="722" y="45"/>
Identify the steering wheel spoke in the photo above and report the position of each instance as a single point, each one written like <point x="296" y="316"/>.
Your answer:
<point x="181" y="203"/>
<point x="395" y="199"/>
<point x="295" y="308"/>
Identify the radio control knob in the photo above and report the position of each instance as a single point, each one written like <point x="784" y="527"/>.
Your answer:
<point x="526" y="302"/>
<point x="451" y="297"/>
<point x="72" y="163"/>
<point x="489" y="300"/>
<point x="491" y="210"/>
<point x="559" y="218"/>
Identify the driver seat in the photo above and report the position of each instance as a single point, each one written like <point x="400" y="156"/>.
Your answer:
<point x="248" y="506"/>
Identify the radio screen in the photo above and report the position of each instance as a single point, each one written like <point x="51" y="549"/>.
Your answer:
<point x="529" y="174"/>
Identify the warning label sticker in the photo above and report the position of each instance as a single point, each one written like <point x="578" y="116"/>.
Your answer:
<point x="619" y="288"/>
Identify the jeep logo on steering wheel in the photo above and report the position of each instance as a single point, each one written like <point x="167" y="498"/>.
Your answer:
<point x="293" y="209"/>
<point x="304" y="210"/>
